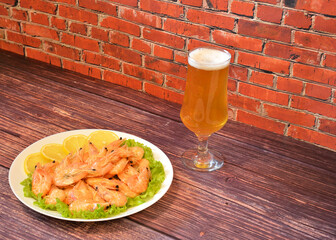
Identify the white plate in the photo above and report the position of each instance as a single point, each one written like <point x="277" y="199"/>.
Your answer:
<point x="17" y="174"/>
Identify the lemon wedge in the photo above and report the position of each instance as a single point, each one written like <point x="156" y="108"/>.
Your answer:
<point x="31" y="161"/>
<point x="54" y="152"/>
<point x="102" y="138"/>
<point x="75" y="142"/>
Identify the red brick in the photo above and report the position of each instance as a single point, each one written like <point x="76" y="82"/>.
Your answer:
<point x="82" y="68"/>
<point x="122" y="53"/>
<point x="23" y="39"/>
<point x="80" y="42"/>
<point x="39" y="18"/>
<point x="40" y="5"/>
<point x="71" y="2"/>
<point x="165" y="67"/>
<point x="325" y="24"/>
<point x="9" y="2"/>
<point x="211" y="19"/>
<point x="78" y="14"/>
<point x="289" y="115"/>
<point x="100" y="34"/>
<point x="269" y="13"/>
<point x="11" y="47"/>
<point x="140" y="17"/>
<point x="242" y="8"/>
<point x="143" y="73"/>
<point x="164" y="38"/>
<point x="244" y="102"/>
<point x="78" y="28"/>
<point x="263" y="30"/>
<point x="262" y="78"/>
<point x="121" y="25"/>
<point x="19" y="14"/>
<point x="292" y="53"/>
<point x="263" y="94"/>
<point x="327" y="126"/>
<point x="174" y="82"/>
<point x="42" y="56"/>
<point x="315" y="74"/>
<point x="119" y="38"/>
<point x="3" y="33"/>
<point x="9" y="24"/>
<point x="297" y="19"/>
<point x="163" y="52"/>
<point x="181" y="57"/>
<point x="264" y="63"/>
<point x="194" y="43"/>
<point x="122" y="79"/>
<point x="314" y="106"/>
<point x="101" y="6"/>
<point x="312" y="136"/>
<point x="327" y="7"/>
<point x="97" y="59"/>
<point x="260" y="122"/>
<point x="58" y="23"/>
<point x="289" y="85"/>
<point x="61" y="50"/>
<point x="237" y="41"/>
<point x="163" y="93"/>
<point x="195" y="3"/>
<point x="39" y="31"/>
<point x="315" y="41"/>
<point x="318" y="91"/>
<point x="166" y="8"/>
<point x="132" y="3"/>
<point x="218" y="4"/>
<point x="232" y="85"/>
<point x="269" y="1"/>
<point x="239" y="73"/>
<point x="330" y="61"/>
<point x="4" y="11"/>
<point x="187" y="29"/>
<point x="141" y="45"/>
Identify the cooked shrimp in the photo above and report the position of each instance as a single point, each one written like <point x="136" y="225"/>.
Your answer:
<point x="55" y="193"/>
<point x="88" y="205"/>
<point x="115" y="144"/>
<point x="136" y="179"/>
<point x="41" y="181"/>
<point x="112" y="184"/>
<point x="136" y="154"/>
<point x="112" y="197"/>
<point x="79" y="192"/>
<point x="117" y="168"/>
<point x="69" y="171"/>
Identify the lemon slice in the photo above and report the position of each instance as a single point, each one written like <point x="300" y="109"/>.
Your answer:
<point x="31" y="161"/>
<point x="54" y="152"/>
<point x="102" y="138"/>
<point x="74" y="142"/>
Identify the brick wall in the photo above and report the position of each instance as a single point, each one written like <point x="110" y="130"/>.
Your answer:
<point x="283" y="72"/>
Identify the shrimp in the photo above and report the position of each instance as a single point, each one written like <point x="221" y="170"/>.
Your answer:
<point x="112" y="197"/>
<point x="112" y="184"/>
<point x="86" y="205"/>
<point x="55" y="193"/>
<point x="69" y="171"/>
<point x="136" y="179"/>
<point x="136" y="154"/>
<point x="79" y="192"/>
<point x="115" y="144"/>
<point x="41" y="180"/>
<point x="117" y="168"/>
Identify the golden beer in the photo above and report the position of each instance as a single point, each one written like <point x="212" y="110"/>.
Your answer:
<point x="205" y="108"/>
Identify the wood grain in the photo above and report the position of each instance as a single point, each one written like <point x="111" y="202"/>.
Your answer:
<point x="271" y="187"/>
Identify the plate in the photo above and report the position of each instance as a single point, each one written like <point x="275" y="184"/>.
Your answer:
<point x="17" y="174"/>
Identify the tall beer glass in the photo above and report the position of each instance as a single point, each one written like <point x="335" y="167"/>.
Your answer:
<point x="205" y="108"/>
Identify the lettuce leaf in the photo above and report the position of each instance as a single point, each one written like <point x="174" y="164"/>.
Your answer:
<point x="158" y="176"/>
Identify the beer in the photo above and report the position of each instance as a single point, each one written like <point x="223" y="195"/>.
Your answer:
<point x="205" y="108"/>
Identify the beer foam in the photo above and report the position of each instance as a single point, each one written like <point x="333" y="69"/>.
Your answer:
<point x="209" y="58"/>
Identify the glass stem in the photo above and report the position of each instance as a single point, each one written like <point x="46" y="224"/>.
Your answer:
<point x="203" y="146"/>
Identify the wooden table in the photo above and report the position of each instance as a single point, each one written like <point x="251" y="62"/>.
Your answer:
<point x="271" y="187"/>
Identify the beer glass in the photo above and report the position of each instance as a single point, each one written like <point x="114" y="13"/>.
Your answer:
<point x="205" y="108"/>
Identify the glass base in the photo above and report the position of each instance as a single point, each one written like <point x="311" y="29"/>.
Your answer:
<point x="209" y="162"/>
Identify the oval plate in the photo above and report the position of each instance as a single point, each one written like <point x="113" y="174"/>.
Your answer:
<point x="17" y="174"/>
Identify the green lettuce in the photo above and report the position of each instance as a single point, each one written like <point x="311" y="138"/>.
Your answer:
<point x="158" y="176"/>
